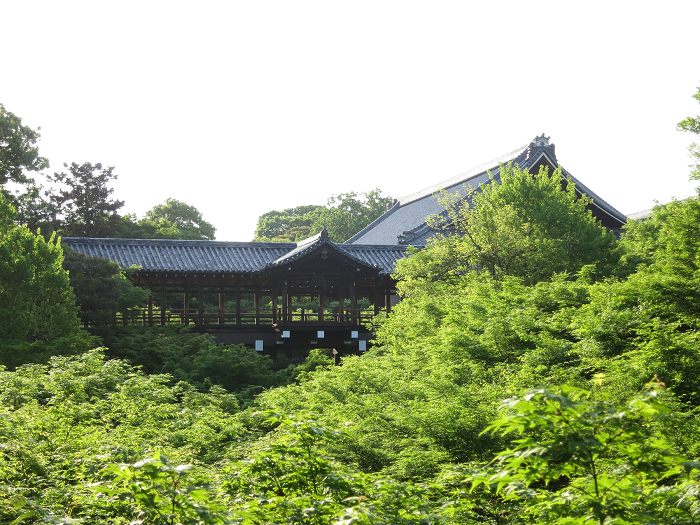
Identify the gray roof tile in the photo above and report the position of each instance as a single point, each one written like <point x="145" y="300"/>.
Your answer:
<point x="226" y="257"/>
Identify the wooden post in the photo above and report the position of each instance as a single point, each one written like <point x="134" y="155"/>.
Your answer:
<point x="162" y="304"/>
<point x="273" y="292"/>
<point x="257" y="306"/>
<point x="375" y="299"/>
<point x="321" y="305"/>
<point x="341" y="305"/>
<point x="222" y="306"/>
<point x="186" y="305"/>
<point x="238" y="305"/>
<point x="200" y="304"/>
<point x="353" y="305"/>
<point x="285" y="302"/>
<point x="388" y="301"/>
<point x="150" y="309"/>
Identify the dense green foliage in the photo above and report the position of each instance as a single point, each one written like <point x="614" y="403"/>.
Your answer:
<point x="343" y="216"/>
<point x="692" y="125"/>
<point x="18" y="149"/>
<point x="36" y="301"/>
<point x="289" y="225"/>
<point x="196" y="359"/>
<point x="187" y="219"/>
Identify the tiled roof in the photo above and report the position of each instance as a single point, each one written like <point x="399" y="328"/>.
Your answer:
<point x="225" y="257"/>
<point x="640" y="215"/>
<point x="405" y="222"/>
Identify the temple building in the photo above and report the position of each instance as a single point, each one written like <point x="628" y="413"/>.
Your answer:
<point x="298" y="295"/>
<point x="405" y="223"/>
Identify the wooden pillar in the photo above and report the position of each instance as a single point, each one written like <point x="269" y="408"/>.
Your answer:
<point x="321" y="305"/>
<point x="238" y="305"/>
<point x="186" y="305"/>
<point x="341" y="305"/>
<point x="376" y="299"/>
<point x="289" y="315"/>
<point x="162" y="304"/>
<point x="200" y="305"/>
<point x="273" y="292"/>
<point x="222" y="306"/>
<point x="285" y="302"/>
<point x="353" y="305"/>
<point x="257" y="306"/>
<point x="150" y="309"/>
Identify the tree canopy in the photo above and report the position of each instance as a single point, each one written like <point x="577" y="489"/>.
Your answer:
<point x="692" y="125"/>
<point x="84" y="201"/>
<point x="289" y="225"/>
<point x="18" y="149"/>
<point x="343" y="216"/>
<point x="187" y="219"/>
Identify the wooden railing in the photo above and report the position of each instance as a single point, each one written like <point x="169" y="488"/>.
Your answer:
<point x="229" y="316"/>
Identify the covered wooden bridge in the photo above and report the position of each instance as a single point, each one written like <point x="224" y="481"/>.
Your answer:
<point x="266" y="295"/>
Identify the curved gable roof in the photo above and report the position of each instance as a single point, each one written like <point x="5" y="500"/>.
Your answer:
<point x="405" y="222"/>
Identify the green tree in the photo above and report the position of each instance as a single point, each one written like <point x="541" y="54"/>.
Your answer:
<point x="83" y="200"/>
<point x="35" y="211"/>
<point x="102" y="289"/>
<point x="18" y="149"/>
<point x="525" y="226"/>
<point x="36" y="301"/>
<point x="289" y="225"/>
<point x="187" y="219"/>
<point x="343" y="216"/>
<point x="692" y="125"/>
<point x="346" y="214"/>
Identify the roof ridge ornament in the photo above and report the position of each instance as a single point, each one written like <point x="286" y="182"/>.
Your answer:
<point x="323" y="235"/>
<point x="542" y="140"/>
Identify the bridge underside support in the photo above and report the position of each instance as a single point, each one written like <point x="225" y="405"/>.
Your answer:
<point x="345" y="339"/>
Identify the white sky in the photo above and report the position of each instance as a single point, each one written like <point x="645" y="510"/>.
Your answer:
<point x="239" y="108"/>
